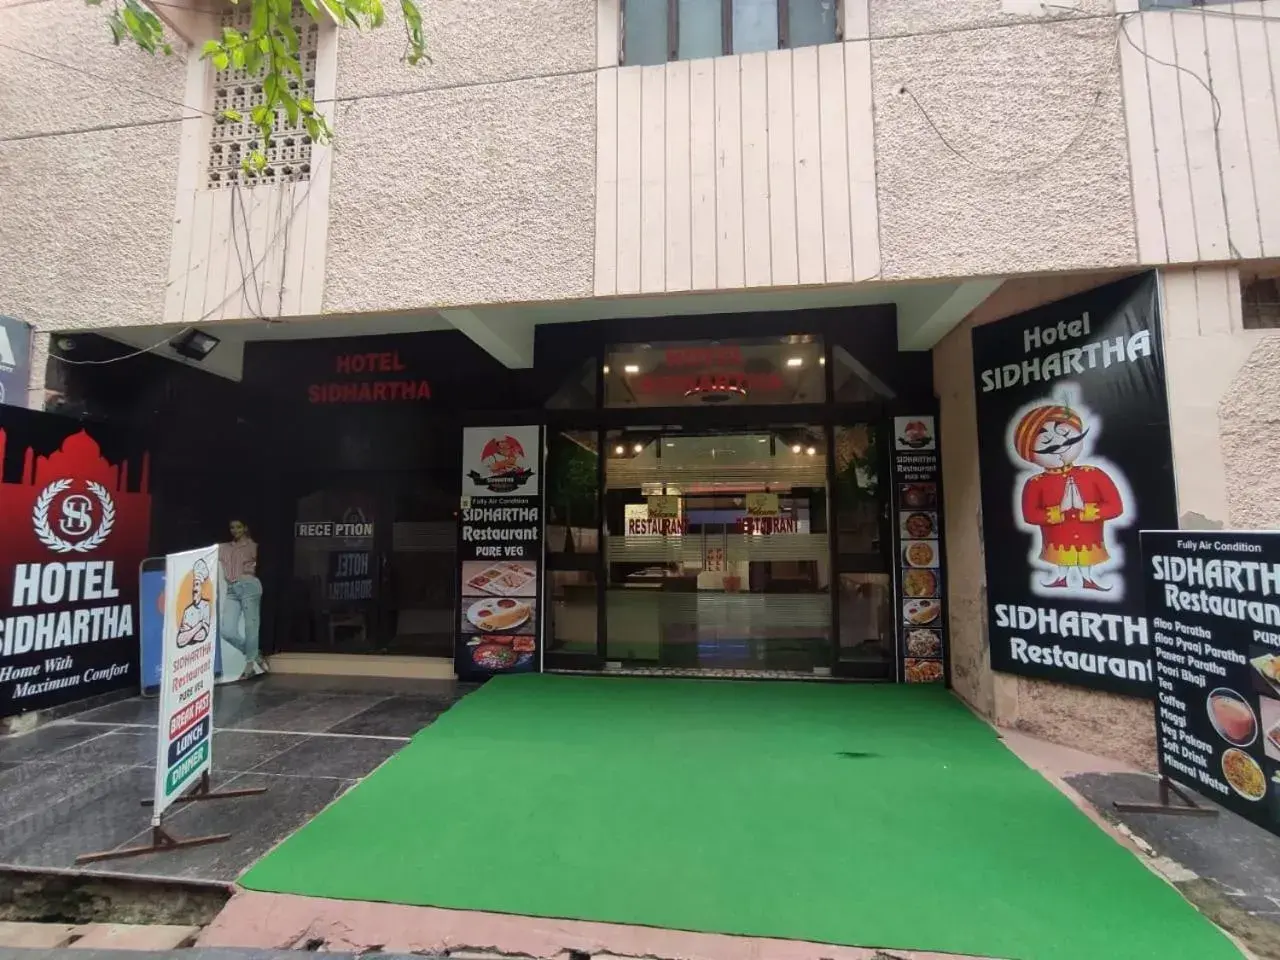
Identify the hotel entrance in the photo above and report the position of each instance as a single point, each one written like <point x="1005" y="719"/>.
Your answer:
<point x="718" y="551"/>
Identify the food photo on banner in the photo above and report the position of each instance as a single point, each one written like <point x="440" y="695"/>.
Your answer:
<point x="74" y="524"/>
<point x="500" y="552"/>
<point x="917" y="539"/>
<point x="1213" y="600"/>
<point x="1075" y="458"/>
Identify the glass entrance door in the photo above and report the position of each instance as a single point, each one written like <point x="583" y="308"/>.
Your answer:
<point x="374" y="564"/>
<point x="717" y="550"/>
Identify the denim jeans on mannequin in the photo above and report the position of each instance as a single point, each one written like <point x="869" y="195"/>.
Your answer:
<point x="241" y="615"/>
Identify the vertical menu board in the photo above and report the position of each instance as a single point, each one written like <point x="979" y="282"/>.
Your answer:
<point x="499" y="552"/>
<point x="917" y="525"/>
<point x="1213" y="604"/>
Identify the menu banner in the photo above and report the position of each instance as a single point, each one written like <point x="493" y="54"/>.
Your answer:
<point x="1075" y="458"/>
<point x="1213" y="600"/>
<point x="500" y="541"/>
<point x="917" y="512"/>
<point x="184" y="734"/>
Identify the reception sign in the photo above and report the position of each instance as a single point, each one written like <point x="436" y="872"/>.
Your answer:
<point x="185" y="729"/>
<point x="1075" y="458"/>
<point x="1213" y="601"/>
<point x="74" y="519"/>
<point x="500" y="552"/>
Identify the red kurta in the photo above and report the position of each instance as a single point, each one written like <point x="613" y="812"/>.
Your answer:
<point x="1071" y="538"/>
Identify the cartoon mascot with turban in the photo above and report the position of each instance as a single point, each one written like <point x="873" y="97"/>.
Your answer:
<point x="1070" y="503"/>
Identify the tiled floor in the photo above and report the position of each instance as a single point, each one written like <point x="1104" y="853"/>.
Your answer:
<point x="74" y="786"/>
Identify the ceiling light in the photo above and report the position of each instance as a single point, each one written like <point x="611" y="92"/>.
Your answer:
<point x="195" y="344"/>
<point x="795" y="361"/>
<point x="638" y="448"/>
<point x="631" y="368"/>
<point x="619" y="449"/>
<point x="670" y="444"/>
<point x="822" y="361"/>
<point x="606" y="368"/>
<point x="796" y="448"/>
<point x="811" y="451"/>
<point x="762" y="439"/>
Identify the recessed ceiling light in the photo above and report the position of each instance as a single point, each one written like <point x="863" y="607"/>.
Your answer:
<point x="811" y="451"/>
<point x="822" y="361"/>
<point x="796" y="448"/>
<point x="638" y="448"/>
<point x="619" y="449"/>
<point x="606" y="368"/>
<point x="795" y="361"/>
<point x="631" y="368"/>
<point x="762" y="439"/>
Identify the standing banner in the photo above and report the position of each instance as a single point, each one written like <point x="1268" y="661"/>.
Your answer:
<point x="15" y="361"/>
<point x="500" y="552"/>
<point x="917" y="514"/>
<point x="74" y="524"/>
<point x="1075" y="458"/>
<point x="151" y="624"/>
<point x="185" y="729"/>
<point x="1213" y="600"/>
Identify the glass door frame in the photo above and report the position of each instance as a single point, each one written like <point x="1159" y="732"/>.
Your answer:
<point x="695" y="421"/>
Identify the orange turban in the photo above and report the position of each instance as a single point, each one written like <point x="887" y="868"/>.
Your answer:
<point x="1029" y="427"/>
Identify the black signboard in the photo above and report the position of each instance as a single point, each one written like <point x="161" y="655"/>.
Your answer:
<point x="917" y="524"/>
<point x="1075" y="459"/>
<point x="75" y="516"/>
<point x="500" y="552"/>
<point x="1213" y="600"/>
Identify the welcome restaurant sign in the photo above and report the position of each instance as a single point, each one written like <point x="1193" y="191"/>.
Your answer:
<point x="73" y="529"/>
<point x="1075" y="459"/>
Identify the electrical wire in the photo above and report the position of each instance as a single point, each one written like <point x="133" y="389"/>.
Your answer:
<point x="212" y="310"/>
<point x="1090" y="115"/>
<point x="101" y="79"/>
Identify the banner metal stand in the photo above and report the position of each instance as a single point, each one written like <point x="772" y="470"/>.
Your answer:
<point x="1187" y="808"/>
<point x="161" y="839"/>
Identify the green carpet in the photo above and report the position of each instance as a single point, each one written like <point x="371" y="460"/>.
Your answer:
<point x="866" y="815"/>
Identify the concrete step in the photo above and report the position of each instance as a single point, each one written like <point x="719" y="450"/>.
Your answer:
<point x="96" y="936"/>
<point x="36" y="935"/>
<point x="133" y="936"/>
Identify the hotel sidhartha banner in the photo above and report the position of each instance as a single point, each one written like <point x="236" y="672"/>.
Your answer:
<point x="75" y="516"/>
<point x="1075" y="459"/>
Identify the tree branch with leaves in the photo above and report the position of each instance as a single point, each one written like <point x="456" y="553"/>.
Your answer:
<point x="270" y="51"/>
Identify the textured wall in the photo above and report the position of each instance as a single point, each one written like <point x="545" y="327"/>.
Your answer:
<point x="1036" y="176"/>
<point x="1121" y="727"/>
<point x="479" y="186"/>
<point x="1223" y="380"/>
<point x="87" y="170"/>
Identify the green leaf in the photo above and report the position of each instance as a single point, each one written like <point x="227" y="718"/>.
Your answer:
<point x="168" y="49"/>
<point x="271" y="88"/>
<point x="264" y="44"/>
<point x="237" y="58"/>
<point x="232" y="116"/>
<point x="290" y="107"/>
<point x="335" y="10"/>
<point x="220" y="60"/>
<point x="232" y="38"/>
<point x="307" y="105"/>
<point x="312" y="8"/>
<point x="117" y="29"/>
<point x="259" y="160"/>
<point x="261" y="10"/>
<point x="210" y="48"/>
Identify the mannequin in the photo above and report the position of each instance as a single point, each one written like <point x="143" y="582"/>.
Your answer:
<point x="240" y="617"/>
